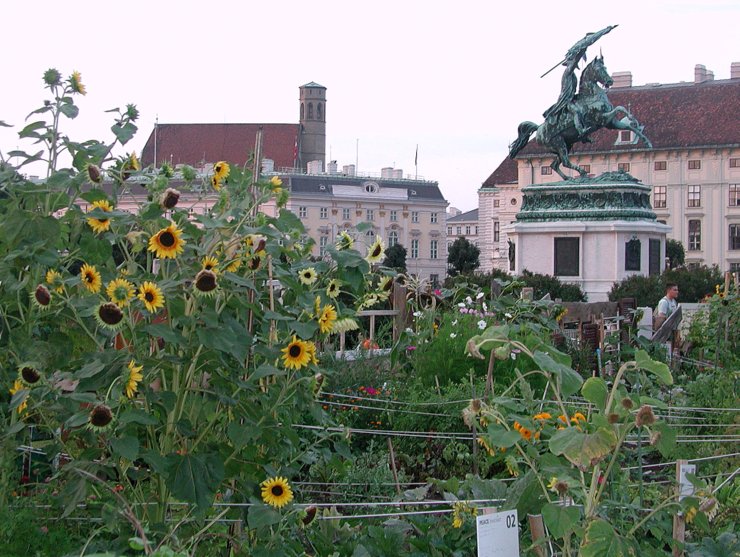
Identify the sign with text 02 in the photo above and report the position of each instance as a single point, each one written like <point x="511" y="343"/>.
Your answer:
<point x="498" y="534"/>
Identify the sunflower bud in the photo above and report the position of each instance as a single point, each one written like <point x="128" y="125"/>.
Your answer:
<point x="310" y="514"/>
<point x="170" y="198"/>
<point x="561" y="488"/>
<point x="627" y="403"/>
<point x="93" y="173"/>
<point x="613" y="418"/>
<point x="645" y="416"/>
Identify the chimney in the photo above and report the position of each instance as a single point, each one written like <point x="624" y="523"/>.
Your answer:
<point x="348" y="169"/>
<point x="735" y="70"/>
<point x="710" y="75"/>
<point x="331" y="168"/>
<point x="397" y="174"/>
<point x="700" y="73"/>
<point x="386" y="173"/>
<point x="622" y="79"/>
<point x="315" y="167"/>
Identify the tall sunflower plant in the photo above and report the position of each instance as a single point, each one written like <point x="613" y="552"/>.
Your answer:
<point x="166" y="356"/>
<point x="566" y="444"/>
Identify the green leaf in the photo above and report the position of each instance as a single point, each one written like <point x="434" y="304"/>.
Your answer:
<point x="659" y="369"/>
<point x="135" y="416"/>
<point x="601" y="540"/>
<point x="124" y="133"/>
<point x="305" y="330"/>
<point x="127" y="447"/>
<point x="195" y="478"/>
<point x="583" y="449"/>
<point x="265" y="370"/>
<point x="69" y="110"/>
<point x="260" y="516"/>
<point x="90" y="370"/>
<point x="595" y="391"/>
<point x="501" y="437"/>
<point x="94" y="195"/>
<point x="560" y="520"/>
<point x="241" y="434"/>
<point x="30" y="129"/>
<point x="570" y="380"/>
<point x="666" y="440"/>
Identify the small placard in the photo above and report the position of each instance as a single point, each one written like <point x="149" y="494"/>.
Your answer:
<point x="498" y="534"/>
<point x="685" y="487"/>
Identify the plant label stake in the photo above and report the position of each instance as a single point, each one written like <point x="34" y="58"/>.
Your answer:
<point x="498" y="534"/>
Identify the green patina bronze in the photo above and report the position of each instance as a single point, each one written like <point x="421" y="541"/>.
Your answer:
<point x="576" y="115"/>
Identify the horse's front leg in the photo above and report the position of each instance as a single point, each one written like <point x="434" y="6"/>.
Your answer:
<point x="628" y="122"/>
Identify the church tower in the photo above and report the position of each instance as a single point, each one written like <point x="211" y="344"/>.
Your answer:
<point x="312" y="141"/>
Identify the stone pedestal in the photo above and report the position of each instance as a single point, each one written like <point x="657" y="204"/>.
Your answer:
<point x="588" y="231"/>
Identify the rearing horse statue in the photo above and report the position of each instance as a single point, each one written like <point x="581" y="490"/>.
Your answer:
<point x="559" y="132"/>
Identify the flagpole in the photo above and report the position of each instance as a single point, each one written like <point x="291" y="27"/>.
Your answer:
<point x="416" y="163"/>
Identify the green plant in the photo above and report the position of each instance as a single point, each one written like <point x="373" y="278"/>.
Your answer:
<point x="462" y="257"/>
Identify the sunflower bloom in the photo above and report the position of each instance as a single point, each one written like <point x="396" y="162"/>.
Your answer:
<point x="542" y="416"/>
<point x="76" y="84"/>
<point x="134" y="378"/>
<point x="100" y="418"/>
<point x="344" y="241"/>
<point x="327" y="317"/>
<point x="29" y="376"/>
<point x="205" y="283"/>
<point x="376" y="251"/>
<point x="18" y="386"/>
<point x="133" y="162"/>
<point x="523" y="431"/>
<point x="215" y="183"/>
<point x="42" y="297"/>
<point x="332" y="290"/>
<point x="120" y="291"/>
<point x="54" y="280"/>
<point x="152" y="296"/>
<point x="276" y="185"/>
<point x="109" y="316"/>
<point x="311" y="349"/>
<point x="100" y="224"/>
<point x="307" y="276"/>
<point x="221" y="170"/>
<point x="90" y="278"/>
<point x="276" y="492"/>
<point x="209" y="263"/>
<point x="296" y="355"/>
<point x="167" y="243"/>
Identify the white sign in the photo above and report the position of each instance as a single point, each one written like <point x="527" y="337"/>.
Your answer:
<point x="498" y="534"/>
<point x="685" y="487"/>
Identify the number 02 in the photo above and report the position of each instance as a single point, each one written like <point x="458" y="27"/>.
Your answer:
<point x="510" y="521"/>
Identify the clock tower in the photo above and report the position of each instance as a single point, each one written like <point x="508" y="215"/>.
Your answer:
<point x="312" y="139"/>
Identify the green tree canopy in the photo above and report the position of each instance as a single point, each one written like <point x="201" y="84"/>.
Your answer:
<point x="675" y="253"/>
<point x="463" y="257"/>
<point x="395" y="258"/>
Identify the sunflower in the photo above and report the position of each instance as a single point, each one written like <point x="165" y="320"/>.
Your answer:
<point x="29" y="376"/>
<point x="332" y="290"/>
<point x="345" y="241"/>
<point x="109" y="316"/>
<point x="523" y="431"/>
<point x="221" y="170"/>
<point x="90" y="278"/>
<point x="307" y="276"/>
<point x="209" y="263"/>
<point x="376" y="251"/>
<point x="133" y="162"/>
<point x="100" y="418"/>
<point x="167" y="243"/>
<point x="276" y="492"/>
<point x="205" y="283"/>
<point x="385" y="285"/>
<point x="326" y="319"/>
<point x="344" y="325"/>
<point x="151" y="295"/>
<point x="42" y="297"/>
<point x="120" y="291"/>
<point x="296" y="355"/>
<point x="76" y="84"/>
<point x="311" y="349"/>
<point x="215" y="183"/>
<point x="542" y="416"/>
<point x="255" y="244"/>
<point x="100" y="224"/>
<point x="93" y="173"/>
<point x="134" y="378"/>
<point x="234" y="265"/>
<point x="276" y="185"/>
<point x="18" y="386"/>
<point x="54" y="280"/>
<point x="169" y="198"/>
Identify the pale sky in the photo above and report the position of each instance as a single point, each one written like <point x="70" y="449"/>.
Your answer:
<point x="456" y="78"/>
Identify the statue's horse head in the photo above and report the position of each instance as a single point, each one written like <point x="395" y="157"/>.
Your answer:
<point x="594" y="73"/>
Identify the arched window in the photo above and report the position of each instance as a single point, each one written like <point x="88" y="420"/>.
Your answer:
<point x="310" y="111"/>
<point x="302" y="111"/>
<point x="392" y="238"/>
<point x="319" y="112"/>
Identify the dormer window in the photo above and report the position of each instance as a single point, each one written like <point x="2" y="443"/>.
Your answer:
<point x="626" y="136"/>
<point x="371" y="187"/>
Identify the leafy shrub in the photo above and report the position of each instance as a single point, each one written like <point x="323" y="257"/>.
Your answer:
<point x="693" y="285"/>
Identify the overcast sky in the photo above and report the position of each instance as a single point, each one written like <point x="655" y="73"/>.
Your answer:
<point x="456" y="78"/>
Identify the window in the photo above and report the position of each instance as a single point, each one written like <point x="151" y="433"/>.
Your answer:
<point x="323" y="213"/>
<point x="659" y="197"/>
<point x="496" y="203"/>
<point x="625" y="136"/>
<point x="434" y="279"/>
<point x="302" y="212"/>
<point x="310" y="111"/>
<point x="623" y="166"/>
<point x="476" y="230"/>
<point x="695" y="165"/>
<point x="346" y="214"/>
<point x="632" y="254"/>
<point x="323" y="240"/>
<point x="586" y="168"/>
<point x="433" y="249"/>
<point x="567" y="257"/>
<point x="433" y="218"/>
<point x="467" y="230"/>
<point x="734" y="163"/>
<point x="370" y="215"/>
<point x="735" y="267"/>
<point x="394" y="215"/>
<point x="496" y="231"/>
<point x="735" y="236"/>
<point x="660" y="165"/>
<point x="734" y="195"/>
<point x="545" y="170"/>
<point x="694" y="196"/>
<point x="392" y="238"/>
<point x="371" y="187"/>
<point x="449" y="231"/>
<point x="694" y="235"/>
<point x="319" y="111"/>
<point x="459" y="230"/>
<point x="414" y="249"/>
<point x="449" y="245"/>
<point x="654" y="257"/>
<point x="414" y="216"/>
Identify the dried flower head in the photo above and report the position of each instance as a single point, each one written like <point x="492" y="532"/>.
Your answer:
<point x="627" y="403"/>
<point x="205" y="282"/>
<point x="613" y="418"/>
<point x="308" y="515"/>
<point x="170" y="197"/>
<point x="42" y="297"/>
<point x="100" y="417"/>
<point x="645" y="416"/>
<point x="109" y="316"/>
<point x="93" y="173"/>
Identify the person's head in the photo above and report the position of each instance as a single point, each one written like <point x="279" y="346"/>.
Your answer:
<point x="671" y="291"/>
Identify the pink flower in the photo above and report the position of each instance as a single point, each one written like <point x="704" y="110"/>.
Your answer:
<point x="371" y="391"/>
<point x="437" y="292"/>
<point x="411" y="348"/>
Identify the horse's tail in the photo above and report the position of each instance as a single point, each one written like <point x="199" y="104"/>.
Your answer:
<point x="525" y="130"/>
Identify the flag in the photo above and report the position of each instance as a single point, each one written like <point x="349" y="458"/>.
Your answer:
<point x="295" y="152"/>
<point x="416" y="156"/>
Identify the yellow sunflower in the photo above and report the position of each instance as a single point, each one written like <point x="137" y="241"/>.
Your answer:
<point x="276" y="492"/>
<point x="76" y="84"/>
<point x="133" y="162"/>
<point x="134" y="378"/>
<point x="233" y="267"/>
<point x="18" y="386"/>
<point x="210" y="263"/>
<point x="296" y="355"/>
<point x="215" y="183"/>
<point x="311" y="349"/>
<point x="307" y="276"/>
<point x="276" y="184"/>
<point x="54" y="280"/>
<point x="90" y="278"/>
<point x="332" y="290"/>
<point x="327" y="317"/>
<point x="152" y="296"/>
<point x="376" y="251"/>
<point x="221" y="171"/>
<point x="120" y="291"/>
<point x="100" y="224"/>
<point x="344" y="241"/>
<point x="167" y="243"/>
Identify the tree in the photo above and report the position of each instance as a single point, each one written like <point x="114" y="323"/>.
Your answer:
<point x="395" y="258"/>
<point x="675" y="253"/>
<point x="463" y="257"/>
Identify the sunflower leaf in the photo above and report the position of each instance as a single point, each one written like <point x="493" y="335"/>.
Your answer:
<point x="261" y="516"/>
<point x="194" y="478"/>
<point x="127" y="447"/>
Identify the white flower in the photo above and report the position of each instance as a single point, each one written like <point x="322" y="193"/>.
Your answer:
<point x="409" y="331"/>
<point x="417" y="314"/>
<point x="461" y="305"/>
<point x="469" y="300"/>
<point x="454" y="322"/>
<point x="485" y="307"/>
<point x="508" y="315"/>
<point x="479" y="295"/>
<point x="482" y="324"/>
<point x="453" y="335"/>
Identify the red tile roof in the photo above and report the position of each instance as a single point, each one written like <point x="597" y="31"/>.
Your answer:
<point x="506" y="173"/>
<point x="677" y="115"/>
<point x="195" y="144"/>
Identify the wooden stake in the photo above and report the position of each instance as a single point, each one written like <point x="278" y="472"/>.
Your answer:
<point x="475" y="430"/>
<point x="392" y="454"/>
<point x="537" y="528"/>
<point x="679" y="522"/>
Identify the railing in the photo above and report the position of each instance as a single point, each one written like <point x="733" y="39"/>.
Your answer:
<point x="375" y="175"/>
